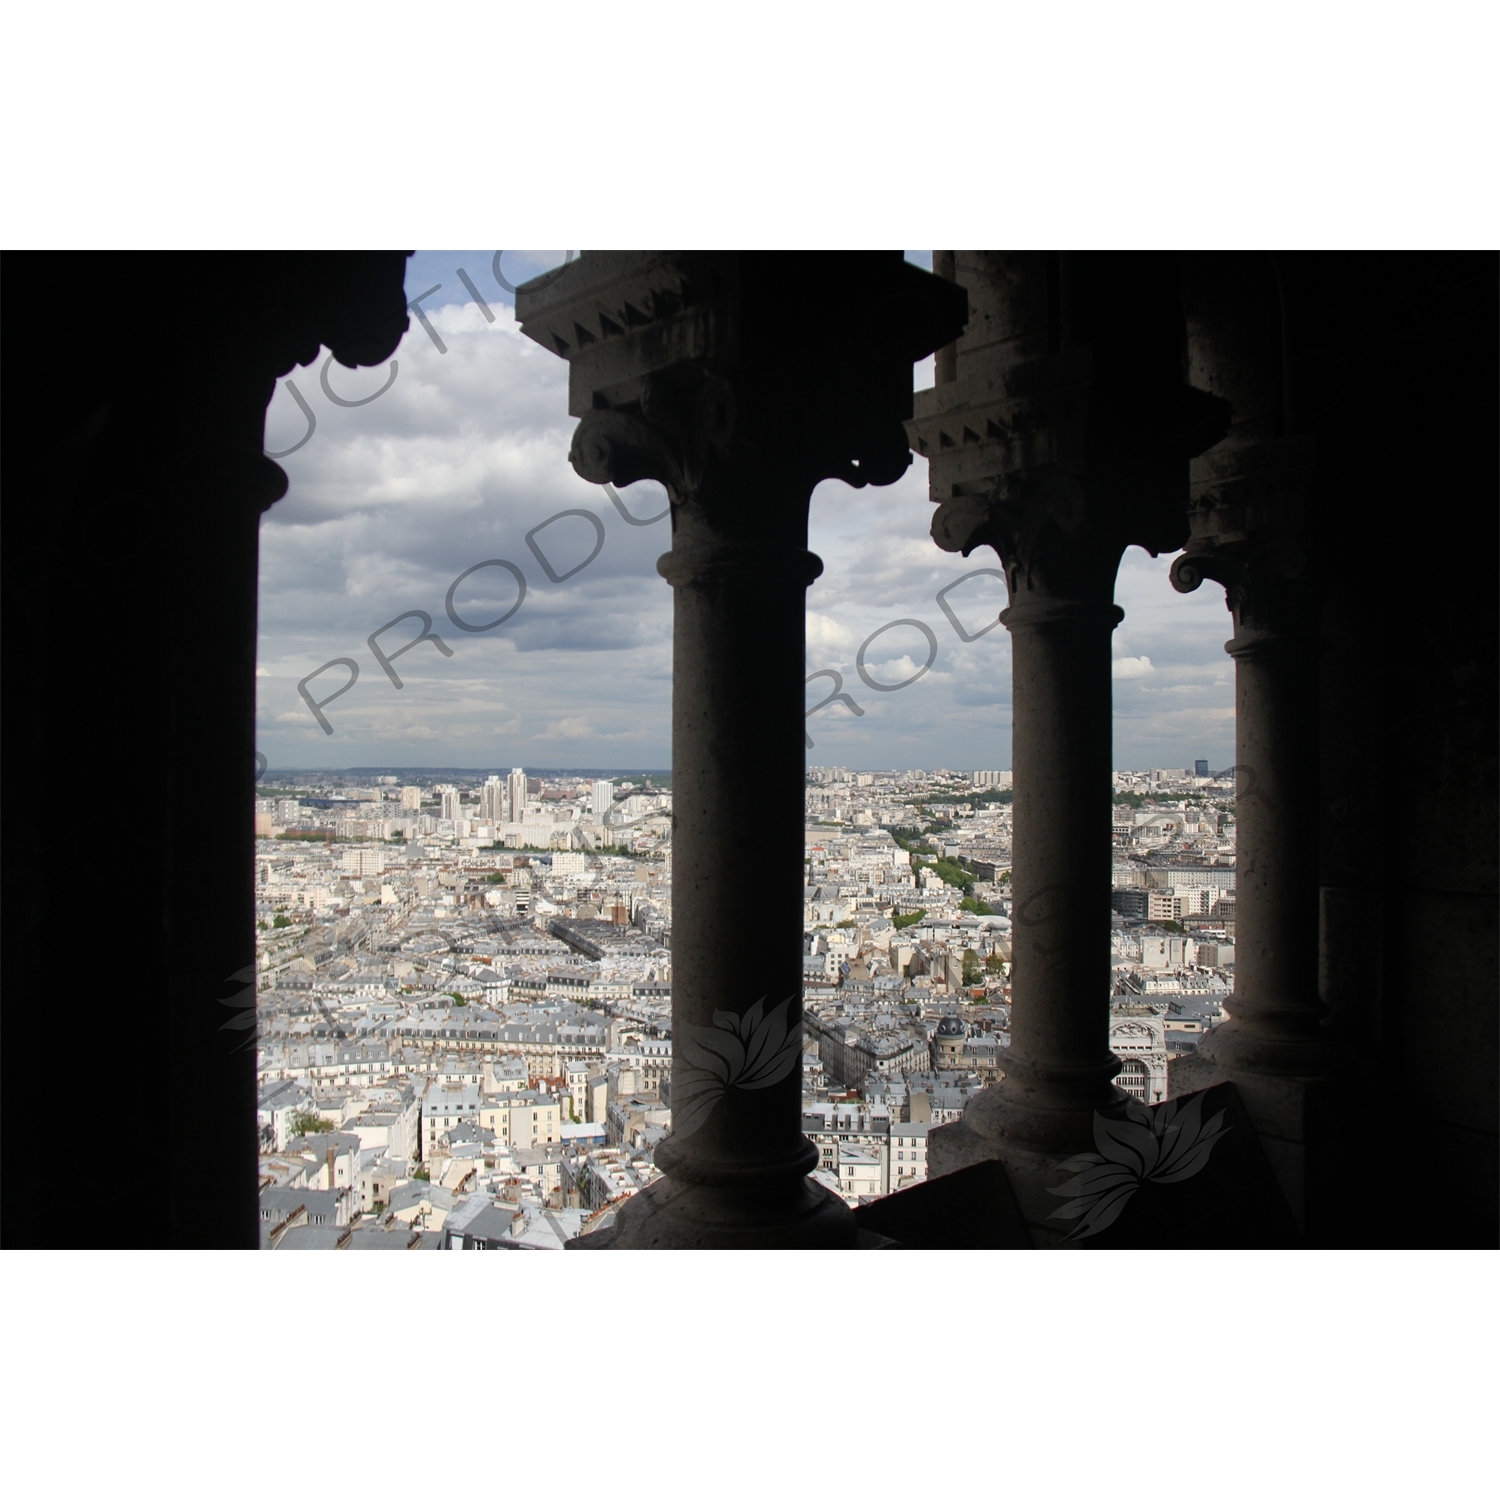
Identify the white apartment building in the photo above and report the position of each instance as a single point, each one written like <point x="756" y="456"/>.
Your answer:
<point x="445" y="1106"/>
<point x="861" y="1173"/>
<point x="525" y="1118"/>
<point x="576" y="1075"/>
<point x="908" y="1154"/>
<point x="998" y="779"/>
<point x="837" y="1132"/>
<point x="392" y="1128"/>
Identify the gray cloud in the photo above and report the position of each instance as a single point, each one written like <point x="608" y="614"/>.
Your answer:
<point x="466" y="452"/>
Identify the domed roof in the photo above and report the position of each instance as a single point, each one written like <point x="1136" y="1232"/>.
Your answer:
<point x="950" y="1026"/>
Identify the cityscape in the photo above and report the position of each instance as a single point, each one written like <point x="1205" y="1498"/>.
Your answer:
<point x="463" y="979"/>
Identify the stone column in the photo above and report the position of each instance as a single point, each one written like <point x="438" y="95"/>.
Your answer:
<point x="1059" y="1064"/>
<point x="1062" y="437"/>
<point x="1246" y="534"/>
<point x="681" y="372"/>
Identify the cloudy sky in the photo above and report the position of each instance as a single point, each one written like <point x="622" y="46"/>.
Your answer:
<point x="464" y="452"/>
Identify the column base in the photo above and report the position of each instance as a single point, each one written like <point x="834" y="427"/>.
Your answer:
<point x="1292" y="1116"/>
<point x="1153" y="1187"/>
<point x="951" y="1148"/>
<point x="690" y="1216"/>
<point x="1031" y="1143"/>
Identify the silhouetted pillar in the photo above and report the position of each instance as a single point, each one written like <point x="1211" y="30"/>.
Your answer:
<point x="135" y="480"/>
<point x="1246" y="533"/>
<point x="691" y="369"/>
<point x="1247" y="520"/>
<point x="1059" y="1064"/>
<point x="1061" y="438"/>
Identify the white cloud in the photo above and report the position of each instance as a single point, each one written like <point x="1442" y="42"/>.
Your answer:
<point x="827" y="638"/>
<point x="569" y="729"/>
<point x="1131" y="666"/>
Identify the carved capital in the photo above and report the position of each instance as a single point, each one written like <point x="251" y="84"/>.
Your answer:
<point x="693" y="369"/>
<point x="1061" y="430"/>
<point x="1060" y="471"/>
<point x="1247" y="533"/>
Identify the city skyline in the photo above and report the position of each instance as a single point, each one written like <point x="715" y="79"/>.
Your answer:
<point x="465" y="1035"/>
<point x="495" y="767"/>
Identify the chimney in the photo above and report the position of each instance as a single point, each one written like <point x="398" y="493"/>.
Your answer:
<point x="330" y="1156"/>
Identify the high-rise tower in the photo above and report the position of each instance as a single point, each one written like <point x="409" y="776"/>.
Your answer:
<point x="494" y="797"/>
<point x="604" y="799"/>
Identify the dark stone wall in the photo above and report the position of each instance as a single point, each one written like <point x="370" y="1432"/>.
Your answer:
<point x="1392" y="363"/>
<point x="133" y="483"/>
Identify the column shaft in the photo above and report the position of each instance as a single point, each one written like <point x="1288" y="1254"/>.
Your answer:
<point x="738" y="649"/>
<point x="1247" y="526"/>
<point x="737" y="1162"/>
<point x="1059" y="1067"/>
<point x="1276" y="1014"/>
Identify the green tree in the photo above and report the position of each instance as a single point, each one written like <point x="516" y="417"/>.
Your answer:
<point x="281" y="921"/>
<point x="910" y="919"/>
<point x="972" y="974"/>
<point x="456" y="998"/>
<point x="950" y="872"/>
<point x="305" y="1122"/>
<point x="498" y="878"/>
<point x="975" y="905"/>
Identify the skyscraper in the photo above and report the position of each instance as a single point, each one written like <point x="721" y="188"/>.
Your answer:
<point x="1200" y="768"/>
<point x="604" y="799"/>
<point x="494" y="800"/>
<point x="517" y="794"/>
<point x="449" y="807"/>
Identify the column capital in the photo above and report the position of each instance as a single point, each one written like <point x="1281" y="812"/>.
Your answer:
<point x="1062" y="462"/>
<point x="1246" y="531"/>
<point x="703" y="369"/>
